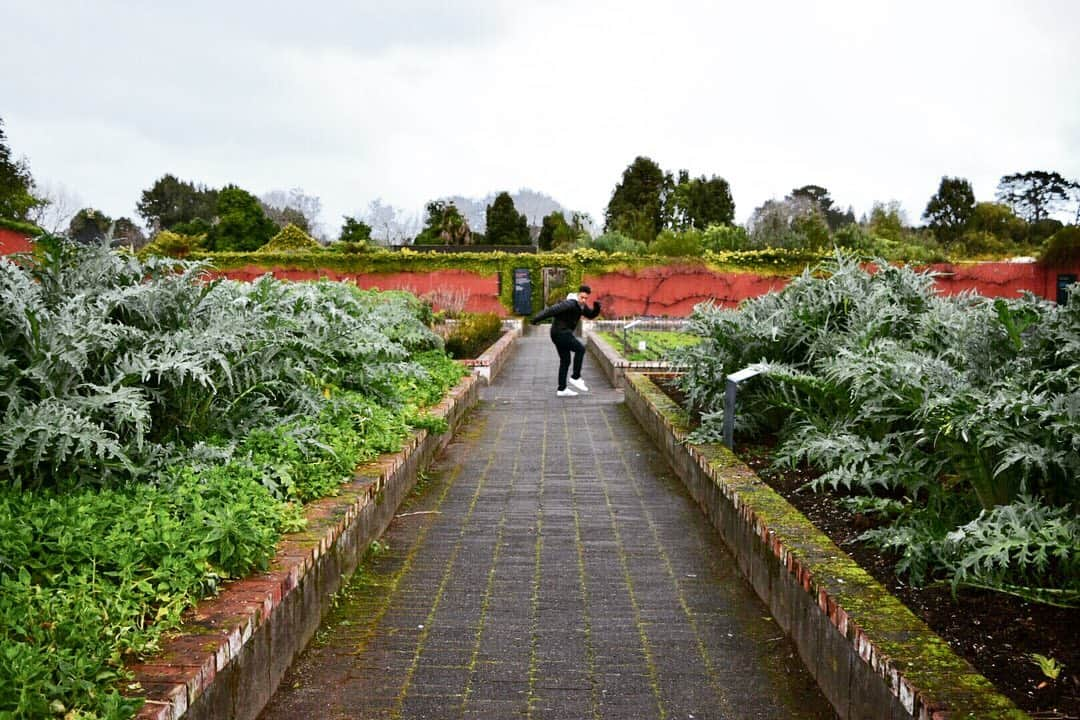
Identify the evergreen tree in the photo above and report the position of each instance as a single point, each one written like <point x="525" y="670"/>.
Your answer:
<point x="353" y="230"/>
<point x="505" y="225"/>
<point x="171" y="202"/>
<point x="444" y="225"/>
<point x="242" y="225"/>
<point x="1034" y="195"/>
<point x="16" y="184"/>
<point x="638" y="205"/>
<point x="819" y="196"/>
<point x="89" y="226"/>
<point x="701" y="202"/>
<point x="127" y="233"/>
<point x="950" y="209"/>
<point x="555" y="232"/>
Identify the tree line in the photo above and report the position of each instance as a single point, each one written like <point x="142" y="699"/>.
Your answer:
<point x="651" y="210"/>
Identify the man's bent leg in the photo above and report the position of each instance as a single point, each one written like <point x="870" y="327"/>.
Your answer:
<point x="579" y="356"/>
<point x="563" y="349"/>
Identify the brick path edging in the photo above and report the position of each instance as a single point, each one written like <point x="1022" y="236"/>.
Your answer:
<point x="491" y="361"/>
<point x="871" y="656"/>
<point x="230" y="657"/>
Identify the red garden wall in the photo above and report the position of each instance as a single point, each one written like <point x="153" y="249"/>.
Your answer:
<point x="672" y="290"/>
<point x="482" y="290"/>
<point x="668" y="290"/>
<point x="1001" y="279"/>
<point x="13" y="242"/>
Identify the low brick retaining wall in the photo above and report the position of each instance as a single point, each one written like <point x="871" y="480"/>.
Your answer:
<point x="230" y="657"/>
<point x="491" y="361"/>
<point x="871" y="656"/>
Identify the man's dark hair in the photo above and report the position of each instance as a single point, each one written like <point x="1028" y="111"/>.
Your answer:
<point x="585" y="289"/>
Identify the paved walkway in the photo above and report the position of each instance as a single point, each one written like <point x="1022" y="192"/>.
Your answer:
<point x="551" y="566"/>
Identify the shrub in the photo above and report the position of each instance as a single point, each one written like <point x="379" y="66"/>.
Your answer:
<point x="473" y="334"/>
<point x="720" y="238"/>
<point x="1063" y="247"/>
<point x="349" y="247"/>
<point x="290" y="239"/>
<point x="983" y="244"/>
<point x="855" y="238"/>
<point x="173" y="244"/>
<point x="1040" y="230"/>
<point x="669" y="243"/>
<point x="613" y="242"/>
<point x="450" y="301"/>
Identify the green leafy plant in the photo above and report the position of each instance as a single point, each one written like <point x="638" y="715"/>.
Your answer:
<point x="1050" y="667"/>
<point x="158" y="432"/>
<point x="960" y="404"/>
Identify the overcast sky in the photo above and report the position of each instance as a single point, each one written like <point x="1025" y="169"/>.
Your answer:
<point x="408" y="101"/>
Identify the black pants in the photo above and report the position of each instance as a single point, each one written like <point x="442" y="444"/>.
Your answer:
<point x="566" y="343"/>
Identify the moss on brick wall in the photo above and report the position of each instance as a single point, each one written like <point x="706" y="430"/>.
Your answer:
<point x="28" y="229"/>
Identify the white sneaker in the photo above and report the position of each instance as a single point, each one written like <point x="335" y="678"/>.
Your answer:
<point x="566" y="393"/>
<point x="579" y="384"/>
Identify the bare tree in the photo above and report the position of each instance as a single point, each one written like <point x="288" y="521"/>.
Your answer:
<point x="296" y="199"/>
<point x="57" y="209"/>
<point x="390" y="225"/>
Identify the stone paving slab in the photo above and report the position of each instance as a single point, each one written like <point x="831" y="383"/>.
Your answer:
<point x="551" y="566"/>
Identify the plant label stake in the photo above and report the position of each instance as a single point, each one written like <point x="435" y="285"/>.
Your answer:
<point x="625" y="341"/>
<point x="730" y="390"/>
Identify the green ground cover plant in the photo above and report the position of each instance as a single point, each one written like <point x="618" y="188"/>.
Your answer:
<point x="158" y="432"/>
<point x="658" y="343"/>
<point x="962" y="412"/>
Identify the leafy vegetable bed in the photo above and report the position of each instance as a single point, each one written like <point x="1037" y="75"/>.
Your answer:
<point x="157" y="435"/>
<point x="658" y="343"/>
<point x="1003" y="636"/>
<point x="999" y="634"/>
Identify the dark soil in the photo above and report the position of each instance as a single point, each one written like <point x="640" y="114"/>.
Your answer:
<point x="995" y="632"/>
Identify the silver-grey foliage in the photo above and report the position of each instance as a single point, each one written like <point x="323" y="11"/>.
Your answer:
<point x="951" y="404"/>
<point x="110" y="365"/>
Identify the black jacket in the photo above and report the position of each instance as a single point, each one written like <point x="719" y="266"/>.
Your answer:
<point x="566" y="315"/>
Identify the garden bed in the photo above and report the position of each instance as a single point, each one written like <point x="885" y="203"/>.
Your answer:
<point x="612" y="363"/>
<point x="643" y="345"/>
<point x="232" y="651"/>
<point x="996" y="633"/>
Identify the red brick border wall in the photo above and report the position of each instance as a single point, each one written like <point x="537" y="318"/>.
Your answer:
<point x="482" y="290"/>
<point x="1001" y="279"/>
<point x="663" y="290"/>
<point x="12" y="242"/>
<point x="674" y="290"/>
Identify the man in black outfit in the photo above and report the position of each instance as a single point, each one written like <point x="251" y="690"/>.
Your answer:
<point x="566" y="315"/>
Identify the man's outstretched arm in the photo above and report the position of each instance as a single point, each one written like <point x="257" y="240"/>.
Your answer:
<point x="552" y="311"/>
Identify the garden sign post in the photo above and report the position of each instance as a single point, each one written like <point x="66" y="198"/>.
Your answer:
<point x="730" y="389"/>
